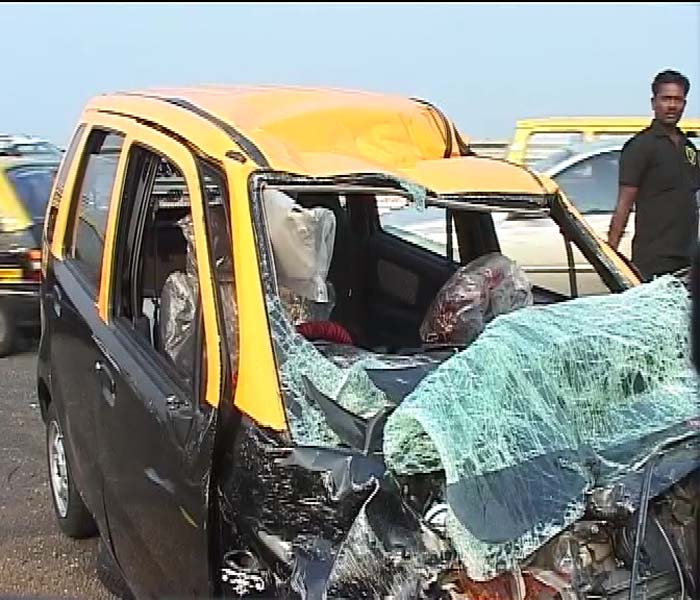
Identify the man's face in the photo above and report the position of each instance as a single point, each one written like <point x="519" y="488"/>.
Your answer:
<point x="669" y="103"/>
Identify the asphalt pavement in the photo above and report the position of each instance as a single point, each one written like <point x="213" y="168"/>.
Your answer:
<point x="36" y="559"/>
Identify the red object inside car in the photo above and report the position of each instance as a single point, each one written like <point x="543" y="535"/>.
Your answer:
<point x="325" y="330"/>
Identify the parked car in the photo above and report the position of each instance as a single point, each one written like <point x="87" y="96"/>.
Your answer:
<point x="232" y="338"/>
<point x="25" y="184"/>
<point x="23" y="145"/>
<point x="587" y="174"/>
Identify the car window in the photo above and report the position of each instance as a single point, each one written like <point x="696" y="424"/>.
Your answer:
<point x="543" y="144"/>
<point x="613" y="137"/>
<point x="552" y="160"/>
<point x="60" y="182"/>
<point x="591" y="184"/>
<point x="156" y="288"/>
<point x="37" y="149"/>
<point x="33" y="186"/>
<point x="424" y="228"/>
<point x="91" y="204"/>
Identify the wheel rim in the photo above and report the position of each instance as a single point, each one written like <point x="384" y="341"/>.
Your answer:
<point x="59" y="469"/>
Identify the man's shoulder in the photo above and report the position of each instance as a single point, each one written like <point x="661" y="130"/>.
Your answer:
<point x="639" y="140"/>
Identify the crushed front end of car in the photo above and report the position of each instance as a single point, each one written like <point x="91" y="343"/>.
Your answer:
<point x="555" y="456"/>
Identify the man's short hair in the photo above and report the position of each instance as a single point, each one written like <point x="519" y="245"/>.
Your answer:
<point x="669" y="76"/>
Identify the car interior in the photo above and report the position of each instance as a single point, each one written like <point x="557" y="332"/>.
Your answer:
<point x="385" y="285"/>
<point x="159" y="290"/>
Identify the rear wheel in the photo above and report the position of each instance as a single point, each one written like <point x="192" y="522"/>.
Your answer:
<point x="7" y="331"/>
<point x="73" y="517"/>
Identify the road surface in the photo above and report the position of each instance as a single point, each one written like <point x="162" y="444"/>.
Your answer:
<point x="36" y="560"/>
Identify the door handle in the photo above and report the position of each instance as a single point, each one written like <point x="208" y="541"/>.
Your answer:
<point x="107" y="382"/>
<point x="56" y="300"/>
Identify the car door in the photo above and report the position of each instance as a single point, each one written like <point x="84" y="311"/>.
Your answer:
<point x="407" y="264"/>
<point x="591" y="185"/>
<point x="72" y="290"/>
<point x="156" y="420"/>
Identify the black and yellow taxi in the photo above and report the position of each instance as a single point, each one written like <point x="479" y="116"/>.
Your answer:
<point x="25" y="185"/>
<point x="222" y="313"/>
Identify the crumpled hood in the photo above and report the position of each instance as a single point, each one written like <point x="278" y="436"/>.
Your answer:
<point x="546" y="405"/>
<point x="407" y="468"/>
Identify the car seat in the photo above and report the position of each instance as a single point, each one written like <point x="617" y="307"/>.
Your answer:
<point x="179" y="297"/>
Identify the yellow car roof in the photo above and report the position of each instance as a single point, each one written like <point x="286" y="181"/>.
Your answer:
<point x="321" y="132"/>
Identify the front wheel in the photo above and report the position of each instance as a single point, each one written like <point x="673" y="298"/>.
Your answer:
<point x="73" y="517"/>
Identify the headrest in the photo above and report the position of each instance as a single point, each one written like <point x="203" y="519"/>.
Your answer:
<point x="302" y="243"/>
<point x="218" y="240"/>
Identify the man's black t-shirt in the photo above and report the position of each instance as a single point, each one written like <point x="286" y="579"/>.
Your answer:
<point x="666" y="214"/>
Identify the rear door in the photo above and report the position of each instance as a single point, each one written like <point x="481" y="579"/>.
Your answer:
<point x="72" y="291"/>
<point x="159" y="371"/>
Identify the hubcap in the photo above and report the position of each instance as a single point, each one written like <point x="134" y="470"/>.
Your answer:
<point x="59" y="470"/>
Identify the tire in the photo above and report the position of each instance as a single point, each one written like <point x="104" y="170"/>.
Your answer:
<point x="72" y="515"/>
<point x="109" y="575"/>
<point x="7" y="332"/>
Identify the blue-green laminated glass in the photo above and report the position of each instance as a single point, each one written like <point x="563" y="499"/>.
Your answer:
<point x="546" y="404"/>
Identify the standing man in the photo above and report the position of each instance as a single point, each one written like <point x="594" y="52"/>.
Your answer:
<point x="660" y="174"/>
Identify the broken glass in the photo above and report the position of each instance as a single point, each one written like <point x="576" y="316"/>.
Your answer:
<point x="339" y="373"/>
<point x="545" y="405"/>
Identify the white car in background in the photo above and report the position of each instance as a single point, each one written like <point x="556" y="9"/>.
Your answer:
<point x="25" y="145"/>
<point x="588" y="176"/>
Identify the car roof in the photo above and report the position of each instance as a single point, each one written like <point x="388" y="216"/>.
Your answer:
<point x="568" y="155"/>
<point x="9" y="162"/>
<point x="324" y="132"/>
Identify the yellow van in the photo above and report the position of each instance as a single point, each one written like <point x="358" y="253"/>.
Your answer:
<point x="535" y="139"/>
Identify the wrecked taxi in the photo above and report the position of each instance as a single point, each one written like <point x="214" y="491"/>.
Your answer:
<point x="251" y="389"/>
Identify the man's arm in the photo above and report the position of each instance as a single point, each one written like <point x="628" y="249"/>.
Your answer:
<point x="633" y="165"/>
<point x="625" y="202"/>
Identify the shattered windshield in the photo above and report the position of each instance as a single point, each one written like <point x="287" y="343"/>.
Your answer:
<point x="522" y="413"/>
